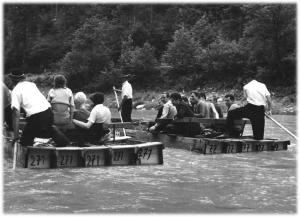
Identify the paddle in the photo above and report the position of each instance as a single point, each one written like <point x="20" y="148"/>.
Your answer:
<point x="282" y="127"/>
<point x="15" y="154"/>
<point x="118" y="107"/>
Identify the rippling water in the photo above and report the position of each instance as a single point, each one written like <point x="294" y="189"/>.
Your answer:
<point x="187" y="182"/>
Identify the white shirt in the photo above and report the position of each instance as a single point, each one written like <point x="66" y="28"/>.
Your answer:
<point x="100" y="114"/>
<point x="256" y="93"/>
<point x="169" y="110"/>
<point x="126" y="90"/>
<point x="27" y="95"/>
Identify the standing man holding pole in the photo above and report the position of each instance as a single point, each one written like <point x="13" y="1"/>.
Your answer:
<point x="126" y="103"/>
<point x="258" y="102"/>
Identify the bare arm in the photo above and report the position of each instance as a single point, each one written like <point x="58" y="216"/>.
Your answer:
<point x="82" y="124"/>
<point x="269" y="104"/>
<point x="16" y="122"/>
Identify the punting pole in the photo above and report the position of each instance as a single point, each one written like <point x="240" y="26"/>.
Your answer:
<point x="15" y="154"/>
<point x="282" y="127"/>
<point x="118" y="107"/>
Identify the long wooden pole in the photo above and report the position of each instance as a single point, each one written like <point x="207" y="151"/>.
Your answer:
<point x="282" y="127"/>
<point x="15" y="155"/>
<point x="118" y="107"/>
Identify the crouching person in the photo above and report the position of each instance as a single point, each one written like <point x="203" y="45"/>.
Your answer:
<point x="39" y="116"/>
<point x="94" y="130"/>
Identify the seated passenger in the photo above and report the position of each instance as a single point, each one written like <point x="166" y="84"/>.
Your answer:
<point x="183" y="110"/>
<point x="39" y="116"/>
<point x="168" y="111"/>
<point x="62" y="102"/>
<point x="206" y="109"/>
<point x="80" y="112"/>
<point x="94" y="130"/>
<point x="230" y="103"/>
<point x="216" y="102"/>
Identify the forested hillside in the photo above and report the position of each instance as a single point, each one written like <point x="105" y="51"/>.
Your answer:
<point x="163" y="45"/>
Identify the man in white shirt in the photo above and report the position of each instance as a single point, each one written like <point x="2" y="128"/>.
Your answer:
<point x="126" y="94"/>
<point x="258" y="101"/>
<point x="169" y="111"/>
<point x="39" y="116"/>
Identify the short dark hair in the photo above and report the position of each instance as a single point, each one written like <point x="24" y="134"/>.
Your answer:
<point x="202" y="95"/>
<point x="167" y="94"/>
<point x="175" y="96"/>
<point x="196" y="93"/>
<point x="230" y="96"/>
<point x="60" y="81"/>
<point x="97" y="98"/>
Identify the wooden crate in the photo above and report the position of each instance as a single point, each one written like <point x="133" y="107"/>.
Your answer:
<point x="68" y="157"/>
<point x="149" y="153"/>
<point x="95" y="156"/>
<point x="39" y="158"/>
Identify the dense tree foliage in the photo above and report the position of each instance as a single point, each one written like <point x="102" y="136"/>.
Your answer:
<point x="93" y="43"/>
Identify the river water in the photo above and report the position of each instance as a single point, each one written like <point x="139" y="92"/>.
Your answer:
<point x="187" y="182"/>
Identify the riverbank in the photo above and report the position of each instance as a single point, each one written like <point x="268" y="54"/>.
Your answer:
<point x="283" y="98"/>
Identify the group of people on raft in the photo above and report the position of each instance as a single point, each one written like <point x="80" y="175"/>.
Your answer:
<point x="65" y="117"/>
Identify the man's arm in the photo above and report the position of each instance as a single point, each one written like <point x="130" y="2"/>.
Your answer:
<point x="269" y="104"/>
<point x="82" y="124"/>
<point x="16" y="122"/>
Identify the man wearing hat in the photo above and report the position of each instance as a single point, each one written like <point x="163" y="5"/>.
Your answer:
<point x="126" y="94"/>
<point x="39" y="116"/>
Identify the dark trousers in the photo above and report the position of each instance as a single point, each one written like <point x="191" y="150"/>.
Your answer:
<point x="8" y="117"/>
<point x="41" y="125"/>
<point x="92" y="135"/>
<point x="126" y="110"/>
<point x="256" y="114"/>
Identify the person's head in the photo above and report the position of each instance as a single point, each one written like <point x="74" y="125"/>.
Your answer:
<point x="97" y="98"/>
<point x="229" y="100"/>
<point x="60" y="81"/>
<point x="202" y="96"/>
<point x="16" y="76"/>
<point x="125" y="77"/>
<point x="194" y="98"/>
<point x="79" y="99"/>
<point x="185" y="99"/>
<point x="164" y="97"/>
<point x="175" y="98"/>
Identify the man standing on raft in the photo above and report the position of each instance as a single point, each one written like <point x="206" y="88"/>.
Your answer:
<point x="258" y="101"/>
<point x="126" y="94"/>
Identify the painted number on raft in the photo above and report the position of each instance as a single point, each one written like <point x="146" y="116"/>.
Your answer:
<point x="212" y="149"/>
<point x="144" y="153"/>
<point x="230" y="148"/>
<point x="118" y="155"/>
<point x="260" y="147"/>
<point x="36" y="160"/>
<point x="246" y="147"/>
<point x="66" y="160"/>
<point x="93" y="160"/>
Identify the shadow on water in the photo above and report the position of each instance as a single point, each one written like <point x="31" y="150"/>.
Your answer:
<point x="188" y="182"/>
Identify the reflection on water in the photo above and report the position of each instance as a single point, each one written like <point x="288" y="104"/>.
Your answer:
<point x="187" y="182"/>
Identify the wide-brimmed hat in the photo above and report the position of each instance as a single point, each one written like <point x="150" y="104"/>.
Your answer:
<point x="17" y="75"/>
<point x="126" y="76"/>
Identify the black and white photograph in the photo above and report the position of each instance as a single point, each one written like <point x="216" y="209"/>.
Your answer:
<point x="149" y="107"/>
